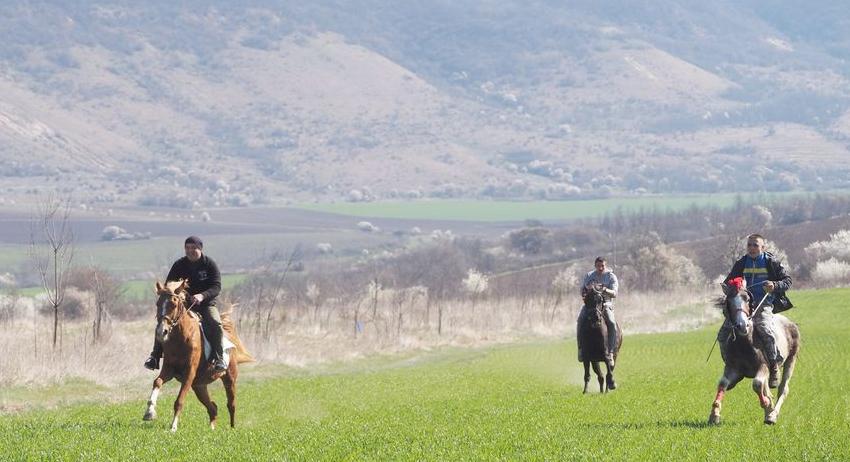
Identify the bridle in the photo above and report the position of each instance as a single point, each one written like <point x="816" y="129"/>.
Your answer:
<point x="181" y="310"/>
<point x="595" y="294"/>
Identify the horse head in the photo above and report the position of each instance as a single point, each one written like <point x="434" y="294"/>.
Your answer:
<point x="595" y="302"/>
<point x="170" y="306"/>
<point x="736" y="306"/>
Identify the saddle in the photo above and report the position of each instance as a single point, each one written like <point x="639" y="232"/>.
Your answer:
<point x="226" y="344"/>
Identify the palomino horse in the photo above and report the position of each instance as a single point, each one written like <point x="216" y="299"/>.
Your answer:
<point x="593" y="341"/>
<point x="742" y="353"/>
<point x="178" y="329"/>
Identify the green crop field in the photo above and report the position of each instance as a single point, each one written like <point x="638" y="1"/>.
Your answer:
<point x="481" y="210"/>
<point x="515" y="402"/>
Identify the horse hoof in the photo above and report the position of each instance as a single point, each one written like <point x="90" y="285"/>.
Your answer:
<point x="149" y="416"/>
<point x="713" y="419"/>
<point x="770" y="419"/>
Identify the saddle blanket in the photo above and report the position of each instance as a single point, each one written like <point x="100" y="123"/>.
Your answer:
<point x="226" y="345"/>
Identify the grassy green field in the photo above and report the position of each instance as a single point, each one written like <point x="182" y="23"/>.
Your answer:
<point x="481" y="210"/>
<point x="514" y="402"/>
<point x="143" y="289"/>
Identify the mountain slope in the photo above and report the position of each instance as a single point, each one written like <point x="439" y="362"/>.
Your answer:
<point x="207" y="103"/>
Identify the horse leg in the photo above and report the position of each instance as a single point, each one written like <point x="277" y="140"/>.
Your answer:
<point x="181" y="397"/>
<point x="609" y="376"/>
<point x="760" y="388"/>
<point x="229" y="381"/>
<point x="728" y="381"/>
<point x="787" y="372"/>
<point x="150" y="414"/>
<point x="204" y="397"/>
<point x="586" y="375"/>
<point x="599" y="377"/>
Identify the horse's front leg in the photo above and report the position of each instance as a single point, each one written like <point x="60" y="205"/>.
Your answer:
<point x="586" y="375"/>
<point x="728" y="380"/>
<point x="599" y="378"/>
<point x="761" y="390"/>
<point x="181" y="396"/>
<point x="609" y="376"/>
<point x="163" y="377"/>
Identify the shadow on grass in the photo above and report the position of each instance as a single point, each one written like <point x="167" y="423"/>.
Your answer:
<point x="681" y="423"/>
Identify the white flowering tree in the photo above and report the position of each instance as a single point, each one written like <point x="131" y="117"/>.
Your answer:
<point x="475" y="284"/>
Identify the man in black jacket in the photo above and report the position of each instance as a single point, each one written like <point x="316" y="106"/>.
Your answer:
<point x="204" y="286"/>
<point x="767" y="282"/>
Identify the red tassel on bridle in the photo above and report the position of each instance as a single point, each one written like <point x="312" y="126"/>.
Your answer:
<point x="737" y="283"/>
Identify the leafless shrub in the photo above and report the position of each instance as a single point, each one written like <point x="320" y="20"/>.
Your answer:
<point x="52" y="250"/>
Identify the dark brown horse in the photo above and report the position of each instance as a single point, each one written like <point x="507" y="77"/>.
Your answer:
<point x="178" y="329"/>
<point x="742" y="353"/>
<point x="593" y="341"/>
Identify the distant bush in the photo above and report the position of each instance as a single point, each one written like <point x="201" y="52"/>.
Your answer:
<point x="831" y="272"/>
<point x="367" y="227"/>
<point x="530" y="240"/>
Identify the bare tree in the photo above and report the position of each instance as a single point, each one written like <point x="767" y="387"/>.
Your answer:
<point x="265" y="289"/>
<point x="107" y="292"/>
<point x="52" y="250"/>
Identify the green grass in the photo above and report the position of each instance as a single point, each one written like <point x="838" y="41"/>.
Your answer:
<point x="515" y="402"/>
<point x="472" y="210"/>
<point x="145" y="288"/>
<point x="141" y="289"/>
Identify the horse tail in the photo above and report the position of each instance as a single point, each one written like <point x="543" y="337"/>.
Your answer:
<point x="240" y="353"/>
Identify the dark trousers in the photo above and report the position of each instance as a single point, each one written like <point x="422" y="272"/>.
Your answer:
<point x="211" y="321"/>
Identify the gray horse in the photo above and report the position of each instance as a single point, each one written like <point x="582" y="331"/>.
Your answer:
<point x="742" y="353"/>
<point x="592" y="337"/>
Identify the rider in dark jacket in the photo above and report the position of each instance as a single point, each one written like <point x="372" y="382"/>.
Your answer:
<point x="767" y="281"/>
<point x="204" y="286"/>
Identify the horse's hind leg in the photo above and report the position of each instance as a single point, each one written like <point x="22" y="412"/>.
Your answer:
<point x="599" y="377"/>
<point x="728" y="381"/>
<point x="229" y="381"/>
<point x="204" y="397"/>
<point x="586" y="375"/>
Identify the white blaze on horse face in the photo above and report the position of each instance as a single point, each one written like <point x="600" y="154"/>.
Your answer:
<point x="741" y="320"/>
<point x="161" y="332"/>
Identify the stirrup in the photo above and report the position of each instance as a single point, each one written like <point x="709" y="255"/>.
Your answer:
<point x="152" y="363"/>
<point x="773" y="377"/>
<point x="219" y="365"/>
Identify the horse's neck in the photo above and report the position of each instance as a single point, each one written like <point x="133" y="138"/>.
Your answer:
<point x="186" y="328"/>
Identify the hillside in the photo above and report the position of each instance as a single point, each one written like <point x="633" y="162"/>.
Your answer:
<point x="207" y="103"/>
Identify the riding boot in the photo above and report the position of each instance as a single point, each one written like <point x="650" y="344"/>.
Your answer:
<point x="612" y="343"/>
<point x="611" y="323"/>
<point x="152" y="362"/>
<point x="211" y="321"/>
<point x="773" y="379"/>
<point x="215" y="334"/>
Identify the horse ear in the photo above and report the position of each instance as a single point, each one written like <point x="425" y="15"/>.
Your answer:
<point x="184" y="284"/>
<point x="159" y="287"/>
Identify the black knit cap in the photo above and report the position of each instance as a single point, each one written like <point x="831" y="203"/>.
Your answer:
<point x="194" y="240"/>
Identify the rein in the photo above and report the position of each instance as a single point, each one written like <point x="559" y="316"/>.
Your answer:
<point x="181" y="306"/>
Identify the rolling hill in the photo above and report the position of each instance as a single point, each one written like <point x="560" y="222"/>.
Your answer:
<point x="273" y="101"/>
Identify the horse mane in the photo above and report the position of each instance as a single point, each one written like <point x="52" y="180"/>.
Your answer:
<point x="174" y="288"/>
<point x="720" y="301"/>
<point x="240" y="353"/>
